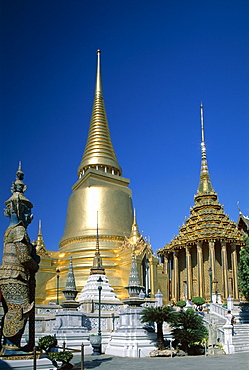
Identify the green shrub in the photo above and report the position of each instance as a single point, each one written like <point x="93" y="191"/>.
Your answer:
<point x="189" y="329"/>
<point x="181" y="304"/>
<point x="158" y="315"/>
<point x="64" y="356"/>
<point x="199" y="301"/>
<point x="47" y="342"/>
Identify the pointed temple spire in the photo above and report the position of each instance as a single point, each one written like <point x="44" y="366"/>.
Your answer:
<point x="134" y="286"/>
<point x="205" y="183"/>
<point x="39" y="227"/>
<point x="133" y="278"/>
<point x="135" y="234"/>
<point x="70" y="292"/>
<point x="207" y="220"/>
<point x="40" y="245"/>
<point x="70" y="283"/>
<point x="99" y="153"/>
<point x="97" y="267"/>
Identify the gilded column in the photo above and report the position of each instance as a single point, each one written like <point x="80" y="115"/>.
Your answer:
<point x="235" y="272"/>
<point x="189" y="273"/>
<point x="176" y="277"/>
<point x="200" y="269"/>
<point x="224" y="268"/>
<point x="167" y="276"/>
<point x="211" y="244"/>
<point x="153" y="275"/>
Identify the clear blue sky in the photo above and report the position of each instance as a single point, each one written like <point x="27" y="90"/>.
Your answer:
<point x="160" y="59"/>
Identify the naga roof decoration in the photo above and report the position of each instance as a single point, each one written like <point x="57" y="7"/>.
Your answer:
<point x="136" y="241"/>
<point x="207" y="219"/>
<point x="243" y="223"/>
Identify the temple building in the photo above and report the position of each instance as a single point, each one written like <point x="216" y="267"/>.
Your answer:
<point x="100" y="189"/>
<point x="202" y="259"/>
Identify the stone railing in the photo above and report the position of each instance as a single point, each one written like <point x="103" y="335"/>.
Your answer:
<point x="217" y="310"/>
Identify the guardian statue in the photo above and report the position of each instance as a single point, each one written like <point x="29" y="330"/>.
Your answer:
<point x="17" y="272"/>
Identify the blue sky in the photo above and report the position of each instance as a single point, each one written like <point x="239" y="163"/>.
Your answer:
<point x="160" y="59"/>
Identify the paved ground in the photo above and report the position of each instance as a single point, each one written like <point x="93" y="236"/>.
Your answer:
<point x="238" y="361"/>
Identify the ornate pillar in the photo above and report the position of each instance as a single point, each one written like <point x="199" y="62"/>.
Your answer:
<point x="153" y="275"/>
<point x="176" y="276"/>
<point x="235" y="272"/>
<point x="211" y="244"/>
<point x="167" y="276"/>
<point x="224" y="268"/>
<point x="189" y="273"/>
<point x="200" y="269"/>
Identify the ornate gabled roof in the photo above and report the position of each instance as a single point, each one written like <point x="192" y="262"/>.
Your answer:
<point x="136" y="242"/>
<point x="99" y="150"/>
<point x="243" y="223"/>
<point x="40" y="245"/>
<point x="207" y="219"/>
<point x="135" y="234"/>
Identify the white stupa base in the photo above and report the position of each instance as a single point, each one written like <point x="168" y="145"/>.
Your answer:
<point x="131" y="343"/>
<point x="74" y="341"/>
<point x="131" y="339"/>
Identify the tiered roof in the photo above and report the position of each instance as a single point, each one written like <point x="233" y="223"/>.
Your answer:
<point x="207" y="219"/>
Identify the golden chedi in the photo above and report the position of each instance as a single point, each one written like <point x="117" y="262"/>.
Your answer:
<point x="101" y="189"/>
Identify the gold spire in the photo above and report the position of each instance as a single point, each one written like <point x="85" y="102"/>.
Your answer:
<point x="135" y="234"/>
<point x="207" y="219"/>
<point x="99" y="153"/>
<point x="97" y="267"/>
<point x="40" y="245"/>
<point x="205" y="183"/>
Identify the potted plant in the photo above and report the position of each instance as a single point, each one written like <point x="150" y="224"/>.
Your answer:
<point x="95" y="341"/>
<point x="60" y="360"/>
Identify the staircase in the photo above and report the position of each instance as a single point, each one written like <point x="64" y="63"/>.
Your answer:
<point x="241" y="338"/>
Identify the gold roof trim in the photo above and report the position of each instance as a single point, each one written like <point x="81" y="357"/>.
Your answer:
<point x="81" y="239"/>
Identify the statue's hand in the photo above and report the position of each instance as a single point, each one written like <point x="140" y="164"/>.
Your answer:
<point x="34" y="255"/>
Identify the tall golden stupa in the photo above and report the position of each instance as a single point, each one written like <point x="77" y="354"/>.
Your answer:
<point x="100" y="189"/>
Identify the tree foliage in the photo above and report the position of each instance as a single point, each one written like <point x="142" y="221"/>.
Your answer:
<point x="158" y="315"/>
<point x="181" y="304"/>
<point x="198" y="301"/>
<point x="243" y="269"/>
<point x="47" y="342"/>
<point x="188" y="329"/>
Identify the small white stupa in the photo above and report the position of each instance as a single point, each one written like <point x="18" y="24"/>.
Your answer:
<point x="131" y="339"/>
<point x="89" y="296"/>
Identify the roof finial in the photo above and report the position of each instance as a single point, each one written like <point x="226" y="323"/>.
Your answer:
<point x="40" y="227"/>
<point x="97" y="267"/>
<point x="205" y="183"/>
<point x="135" y="217"/>
<point x="98" y="76"/>
<point x="202" y="123"/>
<point x="135" y="234"/>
